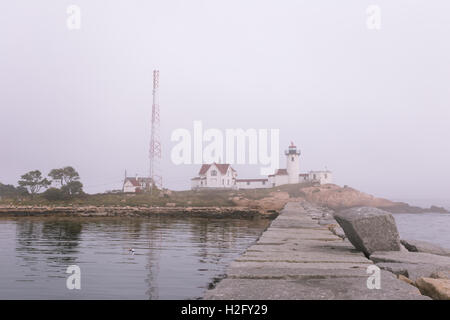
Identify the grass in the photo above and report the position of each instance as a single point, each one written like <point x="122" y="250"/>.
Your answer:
<point x="194" y="198"/>
<point x="179" y="198"/>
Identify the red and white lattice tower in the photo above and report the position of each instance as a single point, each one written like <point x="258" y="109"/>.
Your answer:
<point x="155" y="142"/>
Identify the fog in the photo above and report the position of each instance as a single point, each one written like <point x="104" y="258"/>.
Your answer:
<point x="370" y="105"/>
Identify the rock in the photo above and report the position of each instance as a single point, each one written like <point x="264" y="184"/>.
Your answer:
<point x="369" y="229"/>
<point x="403" y="248"/>
<point x="336" y="230"/>
<point x="441" y="274"/>
<point x="398" y="269"/>
<point x="410" y="258"/>
<point x="414" y="271"/>
<point x="438" y="289"/>
<point x="413" y="265"/>
<point x="405" y="279"/>
<point x="423" y="246"/>
<point x="327" y="216"/>
<point x="437" y="209"/>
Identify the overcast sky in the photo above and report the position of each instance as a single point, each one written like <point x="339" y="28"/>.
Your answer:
<point x="370" y="105"/>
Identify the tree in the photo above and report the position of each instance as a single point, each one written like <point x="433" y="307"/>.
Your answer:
<point x="70" y="175"/>
<point x="73" y="188"/>
<point x="33" y="181"/>
<point x="9" y="191"/>
<point x="54" y="194"/>
<point x="57" y="175"/>
<point x="64" y="175"/>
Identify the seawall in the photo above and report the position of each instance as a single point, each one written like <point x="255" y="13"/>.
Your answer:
<point x="114" y="211"/>
<point x="299" y="258"/>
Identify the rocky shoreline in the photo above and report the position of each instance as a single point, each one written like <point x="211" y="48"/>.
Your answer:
<point x="339" y="198"/>
<point x="95" y="211"/>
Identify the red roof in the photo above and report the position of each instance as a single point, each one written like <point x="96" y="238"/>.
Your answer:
<point x="223" y="168"/>
<point x="281" y="172"/>
<point x="133" y="181"/>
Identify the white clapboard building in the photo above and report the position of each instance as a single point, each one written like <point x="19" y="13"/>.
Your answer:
<point x="218" y="176"/>
<point x="215" y="175"/>
<point x="136" y="184"/>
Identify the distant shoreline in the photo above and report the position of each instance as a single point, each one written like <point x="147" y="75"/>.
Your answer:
<point x="209" y="203"/>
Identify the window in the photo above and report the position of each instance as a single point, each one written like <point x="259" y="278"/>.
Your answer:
<point x="292" y="158"/>
<point x="326" y="176"/>
<point x="264" y="182"/>
<point x="248" y="183"/>
<point x="214" y="173"/>
<point x="314" y="176"/>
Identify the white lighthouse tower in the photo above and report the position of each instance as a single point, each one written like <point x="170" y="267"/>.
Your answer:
<point x="293" y="164"/>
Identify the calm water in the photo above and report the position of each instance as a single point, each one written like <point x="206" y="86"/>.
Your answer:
<point x="174" y="258"/>
<point x="431" y="227"/>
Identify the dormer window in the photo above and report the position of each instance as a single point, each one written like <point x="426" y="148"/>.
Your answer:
<point x="213" y="173"/>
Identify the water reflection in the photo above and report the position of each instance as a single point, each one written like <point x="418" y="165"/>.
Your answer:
<point x="57" y="240"/>
<point x="174" y="258"/>
<point x="152" y="267"/>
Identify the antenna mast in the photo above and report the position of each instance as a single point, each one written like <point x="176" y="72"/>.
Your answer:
<point x="155" y="142"/>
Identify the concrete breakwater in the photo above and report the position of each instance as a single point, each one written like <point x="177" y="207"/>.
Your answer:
<point x="299" y="257"/>
<point x="114" y="211"/>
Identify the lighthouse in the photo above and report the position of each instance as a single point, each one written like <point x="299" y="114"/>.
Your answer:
<point x="293" y="164"/>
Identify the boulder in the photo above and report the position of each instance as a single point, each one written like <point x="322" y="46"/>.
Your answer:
<point x="437" y="289"/>
<point x="369" y="229"/>
<point x="423" y="246"/>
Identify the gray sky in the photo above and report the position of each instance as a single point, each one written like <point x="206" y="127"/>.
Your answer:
<point x="372" y="106"/>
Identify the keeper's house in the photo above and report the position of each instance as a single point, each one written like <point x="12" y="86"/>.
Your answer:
<point x="215" y="175"/>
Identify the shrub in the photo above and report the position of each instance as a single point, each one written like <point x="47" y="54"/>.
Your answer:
<point x="54" y="194"/>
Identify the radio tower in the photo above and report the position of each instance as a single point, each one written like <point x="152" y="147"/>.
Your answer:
<point x="155" y="142"/>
